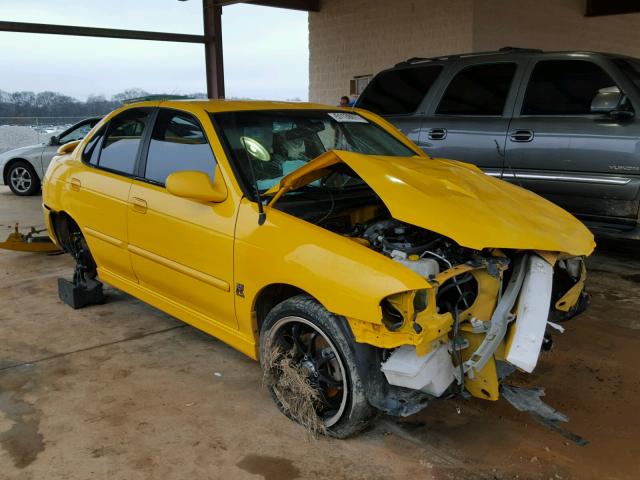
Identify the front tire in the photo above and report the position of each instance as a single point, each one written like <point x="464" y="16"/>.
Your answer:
<point x="23" y="179"/>
<point x="309" y="339"/>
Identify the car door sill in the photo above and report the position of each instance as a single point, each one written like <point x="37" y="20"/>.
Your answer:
<point x="225" y="333"/>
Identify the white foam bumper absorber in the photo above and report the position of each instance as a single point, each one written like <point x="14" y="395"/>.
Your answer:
<point x="532" y="315"/>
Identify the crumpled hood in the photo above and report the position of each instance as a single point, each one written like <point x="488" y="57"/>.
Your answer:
<point x="456" y="200"/>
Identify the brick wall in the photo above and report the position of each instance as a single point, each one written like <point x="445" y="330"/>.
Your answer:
<point x="358" y="37"/>
<point x="553" y="25"/>
<point x="348" y="38"/>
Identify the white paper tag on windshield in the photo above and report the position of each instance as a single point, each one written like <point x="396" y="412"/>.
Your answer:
<point x="344" y="117"/>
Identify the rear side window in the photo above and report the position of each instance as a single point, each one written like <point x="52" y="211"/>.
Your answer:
<point x="564" y="87"/>
<point x="92" y="150"/>
<point x="478" y="90"/>
<point x="399" y="91"/>
<point x="122" y="141"/>
<point x="178" y="143"/>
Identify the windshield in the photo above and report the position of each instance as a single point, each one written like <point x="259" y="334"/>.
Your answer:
<point x="268" y="145"/>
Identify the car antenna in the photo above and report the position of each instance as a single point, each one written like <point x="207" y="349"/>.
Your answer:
<point x="262" y="216"/>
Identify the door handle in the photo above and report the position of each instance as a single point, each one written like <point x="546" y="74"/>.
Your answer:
<point x="521" y="135"/>
<point x="139" y="205"/>
<point x="75" y="184"/>
<point x="437" y="133"/>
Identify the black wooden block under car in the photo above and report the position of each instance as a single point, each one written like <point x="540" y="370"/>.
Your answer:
<point x="78" y="296"/>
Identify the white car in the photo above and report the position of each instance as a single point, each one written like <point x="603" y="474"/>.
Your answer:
<point x="23" y="168"/>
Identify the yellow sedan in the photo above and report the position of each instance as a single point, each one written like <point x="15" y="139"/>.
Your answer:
<point x="364" y="275"/>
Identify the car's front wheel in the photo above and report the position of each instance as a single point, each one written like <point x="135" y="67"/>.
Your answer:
<point x="23" y="179"/>
<point x="309" y="367"/>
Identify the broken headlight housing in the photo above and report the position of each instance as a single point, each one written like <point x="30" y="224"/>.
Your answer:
<point x="403" y="306"/>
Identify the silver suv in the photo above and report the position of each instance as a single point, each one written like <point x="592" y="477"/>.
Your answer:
<point x="562" y="124"/>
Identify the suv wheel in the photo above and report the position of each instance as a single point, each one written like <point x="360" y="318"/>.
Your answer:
<point x="23" y="179"/>
<point x="309" y="368"/>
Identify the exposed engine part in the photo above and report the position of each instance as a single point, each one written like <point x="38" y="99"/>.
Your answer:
<point x="389" y="235"/>
<point x="426" y="253"/>
<point x="425" y="267"/>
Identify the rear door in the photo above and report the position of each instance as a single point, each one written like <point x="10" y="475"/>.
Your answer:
<point x="401" y="94"/>
<point x="556" y="147"/>
<point x="100" y="193"/>
<point x="470" y="118"/>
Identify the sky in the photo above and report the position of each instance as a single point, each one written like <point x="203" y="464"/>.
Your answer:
<point x="265" y="49"/>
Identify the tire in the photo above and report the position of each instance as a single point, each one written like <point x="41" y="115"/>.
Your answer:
<point x="326" y="356"/>
<point x="23" y="179"/>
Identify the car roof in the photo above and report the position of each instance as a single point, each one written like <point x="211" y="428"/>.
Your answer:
<point x="223" y="105"/>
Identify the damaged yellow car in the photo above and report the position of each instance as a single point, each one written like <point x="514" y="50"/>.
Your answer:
<point x="363" y="274"/>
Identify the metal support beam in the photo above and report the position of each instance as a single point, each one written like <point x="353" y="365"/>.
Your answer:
<point x="598" y="8"/>
<point x="304" y="5"/>
<point x="23" y="27"/>
<point x="212" y="15"/>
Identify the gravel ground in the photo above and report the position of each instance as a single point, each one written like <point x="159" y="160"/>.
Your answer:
<point x="15" y="136"/>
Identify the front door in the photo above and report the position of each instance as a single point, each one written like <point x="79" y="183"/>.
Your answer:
<point x="182" y="249"/>
<point x="561" y="150"/>
<point x="471" y="119"/>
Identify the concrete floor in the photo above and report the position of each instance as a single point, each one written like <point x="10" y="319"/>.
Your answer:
<point x="123" y="391"/>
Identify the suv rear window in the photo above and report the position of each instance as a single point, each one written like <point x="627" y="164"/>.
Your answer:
<point x="397" y="92"/>
<point x="478" y="90"/>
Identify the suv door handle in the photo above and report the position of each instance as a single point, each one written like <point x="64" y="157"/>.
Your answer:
<point x="75" y="184"/>
<point x="437" y="133"/>
<point x="139" y="205"/>
<point x="521" y="135"/>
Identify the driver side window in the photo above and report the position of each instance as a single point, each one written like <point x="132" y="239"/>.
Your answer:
<point x="177" y="143"/>
<point x="564" y="87"/>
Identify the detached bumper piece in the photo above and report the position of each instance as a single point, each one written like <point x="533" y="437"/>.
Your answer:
<point x="529" y="400"/>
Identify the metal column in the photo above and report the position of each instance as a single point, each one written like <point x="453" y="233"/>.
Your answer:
<point x="212" y="15"/>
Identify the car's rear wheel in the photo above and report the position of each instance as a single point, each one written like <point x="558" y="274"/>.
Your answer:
<point x="310" y="371"/>
<point x="23" y="179"/>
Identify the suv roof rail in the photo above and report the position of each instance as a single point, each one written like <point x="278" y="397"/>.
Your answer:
<point x="414" y="60"/>
<point x="520" y="49"/>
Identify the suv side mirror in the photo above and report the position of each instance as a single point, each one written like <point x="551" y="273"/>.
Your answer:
<point x="54" y="141"/>
<point x="197" y="186"/>
<point x="607" y="100"/>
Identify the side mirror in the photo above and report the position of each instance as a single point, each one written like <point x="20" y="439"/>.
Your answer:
<point x="607" y="100"/>
<point x="68" y="147"/>
<point x="197" y="186"/>
<point x="54" y="141"/>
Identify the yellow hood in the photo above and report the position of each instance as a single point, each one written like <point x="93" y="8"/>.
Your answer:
<point x="457" y="200"/>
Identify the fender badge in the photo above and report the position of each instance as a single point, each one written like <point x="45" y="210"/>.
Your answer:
<point x="240" y="290"/>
